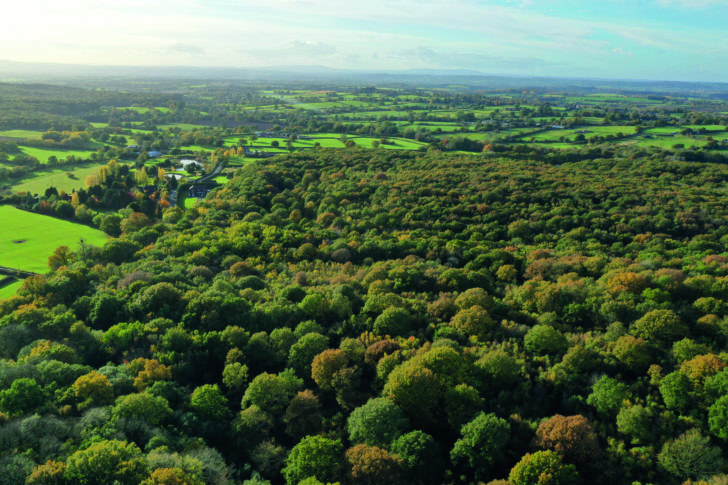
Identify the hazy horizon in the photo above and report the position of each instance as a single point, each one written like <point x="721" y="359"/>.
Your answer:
<point x="676" y="40"/>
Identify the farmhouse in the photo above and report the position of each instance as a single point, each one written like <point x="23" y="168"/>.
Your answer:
<point x="199" y="191"/>
<point x="257" y="153"/>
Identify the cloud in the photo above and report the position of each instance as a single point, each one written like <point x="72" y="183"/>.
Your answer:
<point x="560" y="38"/>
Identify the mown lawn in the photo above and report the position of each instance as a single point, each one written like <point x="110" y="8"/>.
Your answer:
<point x="28" y="239"/>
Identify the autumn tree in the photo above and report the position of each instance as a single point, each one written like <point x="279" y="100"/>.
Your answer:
<point x="572" y="437"/>
<point x="93" y="389"/>
<point x="325" y="365"/>
<point x="371" y="465"/>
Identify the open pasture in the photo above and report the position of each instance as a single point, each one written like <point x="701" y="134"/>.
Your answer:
<point x="28" y="239"/>
<point x="43" y="154"/>
<point x="21" y="134"/>
<point x="38" y="181"/>
<point x="9" y="290"/>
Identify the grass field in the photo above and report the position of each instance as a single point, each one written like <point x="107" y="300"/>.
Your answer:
<point x="667" y="142"/>
<point x="143" y="109"/>
<point x="10" y="290"/>
<point x="28" y="239"/>
<point x="555" y="134"/>
<point x="57" y="178"/>
<point x="21" y="133"/>
<point x="43" y="154"/>
<point x="183" y="126"/>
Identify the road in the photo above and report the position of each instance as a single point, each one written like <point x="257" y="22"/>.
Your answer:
<point x="205" y="178"/>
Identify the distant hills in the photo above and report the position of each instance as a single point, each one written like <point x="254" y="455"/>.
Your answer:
<point x="32" y="71"/>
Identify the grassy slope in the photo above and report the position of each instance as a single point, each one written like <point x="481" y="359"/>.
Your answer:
<point x="42" y="235"/>
<point x="42" y="154"/>
<point x="10" y="290"/>
<point x="21" y="133"/>
<point x="56" y="178"/>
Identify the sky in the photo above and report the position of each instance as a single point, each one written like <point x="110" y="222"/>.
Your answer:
<point x="681" y="40"/>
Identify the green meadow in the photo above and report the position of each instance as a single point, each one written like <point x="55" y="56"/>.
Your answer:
<point x="28" y="239"/>
<point x="183" y="126"/>
<point x="21" y="133"/>
<point x="143" y="109"/>
<point x="9" y="290"/>
<point x="58" y="178"/>
<point x="43" y="154"/>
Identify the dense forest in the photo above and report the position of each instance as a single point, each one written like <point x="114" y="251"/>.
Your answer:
<point x="369" y="316"/>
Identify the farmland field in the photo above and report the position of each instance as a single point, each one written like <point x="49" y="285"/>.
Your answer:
<point x="21" y="133"/>
<point x="43" y="154"/>
<point x="10" y="290"/>
<point x="28" y="239"/>
<point x="57" y="178"/>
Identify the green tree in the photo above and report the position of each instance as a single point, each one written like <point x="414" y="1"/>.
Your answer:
<point x="415" y="389"/>
<point x="154" y="410"/>
<point x="111" y="225"/>
<point x="462" y="403"/>
<point x="636" y="422"/>
<point x="497" y="369"/>
<point x="635" y="353"/>
<point x="543" y="468"/>
<point x="394" y="321"/>
<point x="420" y="454"/>
<point x="690" y="456"/>
<point x="716" y="386"/>
<point x="660" y="326"/>
<point x="106" y="462"/>
<point x="377" y="423"/>
<point x="272" y="392"/>
<point x="303" y="352"/>
<point x="303" y="415"/>
<point x="24" y="396"/>
<point x="482" y="444"/>
<point x="718" y="418"/>
<point x="545" y="340"/>
<point x="315" y="456"/>
<point x="607" y="395"/>
<point x="676" y="389"/>
<point x="209" y="403"/>
<point x="473" y="322"/>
